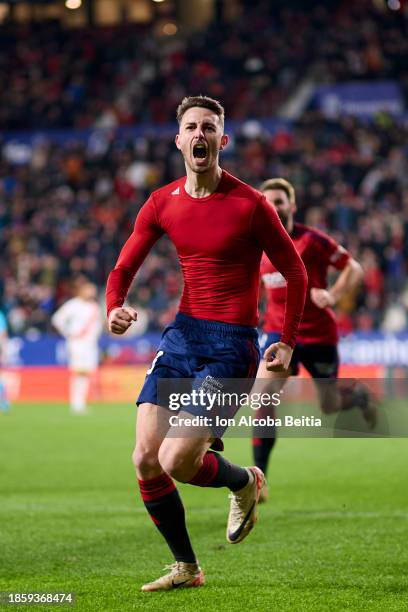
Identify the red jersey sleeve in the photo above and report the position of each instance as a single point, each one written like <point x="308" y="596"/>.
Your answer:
<point x="275" y="241"/>
<point x="145" y="233"/>
<point x="333" y="253"/>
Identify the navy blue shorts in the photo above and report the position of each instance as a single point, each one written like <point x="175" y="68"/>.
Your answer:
<point x="320" y="360"/>
<point x="198" y="349"/>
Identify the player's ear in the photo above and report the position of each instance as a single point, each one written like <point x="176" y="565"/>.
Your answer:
<point x="294" y="207"/>
<point x="224" y="141"/>
<point x="177" y="141"/>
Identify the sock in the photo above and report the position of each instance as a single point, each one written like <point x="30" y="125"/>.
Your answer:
<point x="219" y="472"/>
<point x="353" y="395"/>
<point x="262" y="448"/>
<point x="263" y="438"/>
<point x="166" y="510"/>
<point x="79" y="387"/>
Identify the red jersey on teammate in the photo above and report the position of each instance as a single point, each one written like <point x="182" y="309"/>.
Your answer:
<point x="319" y="252"/>
<point x="316" y="347"/>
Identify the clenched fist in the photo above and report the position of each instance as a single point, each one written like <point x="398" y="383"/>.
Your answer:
<point x="278" y="356"/>
<point x="120" y="319"/>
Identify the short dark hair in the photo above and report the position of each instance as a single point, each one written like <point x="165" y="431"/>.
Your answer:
<point x="279" y="183"/>
<point x="201" y="102"/>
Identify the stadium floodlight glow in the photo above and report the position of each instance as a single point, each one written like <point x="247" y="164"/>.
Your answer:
<point x="73" y="4"/>
<point x="394" y="5"/>
<point x="158" y="0"/>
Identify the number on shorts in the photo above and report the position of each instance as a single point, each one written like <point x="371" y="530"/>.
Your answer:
<point x="150" y="370"/>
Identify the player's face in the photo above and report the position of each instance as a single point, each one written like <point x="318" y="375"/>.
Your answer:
<point x="88" y="292"/>
<point x="200" y="139"/>
<point x="284" y="207"/>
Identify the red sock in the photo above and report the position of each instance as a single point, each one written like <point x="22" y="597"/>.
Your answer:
<point x="219" y="472"/>
<point x="207" y="472"/>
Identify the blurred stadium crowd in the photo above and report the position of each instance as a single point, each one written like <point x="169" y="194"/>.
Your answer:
<point x="52" y="77"/>
<point x="66" y="208"/>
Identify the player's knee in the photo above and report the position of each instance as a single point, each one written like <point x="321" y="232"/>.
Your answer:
<point x="146" y="462"/>
<point x="179" y="464"/>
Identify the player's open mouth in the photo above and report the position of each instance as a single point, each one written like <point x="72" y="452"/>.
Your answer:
<point x="199" y="151"/>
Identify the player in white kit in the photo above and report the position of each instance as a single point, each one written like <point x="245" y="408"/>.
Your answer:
<point x="79" y="320"/>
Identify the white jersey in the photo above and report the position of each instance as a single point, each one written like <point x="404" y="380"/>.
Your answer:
<point x="80" y="322"/>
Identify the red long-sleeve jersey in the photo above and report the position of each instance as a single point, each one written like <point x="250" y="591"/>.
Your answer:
<point x="219" y="241"/>
<point x="318" y="252"/>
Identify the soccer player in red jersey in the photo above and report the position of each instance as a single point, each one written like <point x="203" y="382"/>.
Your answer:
<point x="220" y="227"/>
<point x="317" y="338"/>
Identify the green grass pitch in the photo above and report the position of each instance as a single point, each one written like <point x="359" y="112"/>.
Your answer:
<point x="333" y="536"/>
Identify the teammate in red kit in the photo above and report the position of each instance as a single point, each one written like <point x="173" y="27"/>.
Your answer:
<point x="317" y="338"/>
<point x="220" y="227"/>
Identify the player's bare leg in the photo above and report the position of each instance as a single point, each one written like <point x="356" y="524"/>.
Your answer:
<point x="163" y="503"/>
<point x="79" y="391"/>
<point x="335" y="396"/>
<point x="264" y="438"/>
<point x="188" y="459"/>
<point x="148" y="441"/>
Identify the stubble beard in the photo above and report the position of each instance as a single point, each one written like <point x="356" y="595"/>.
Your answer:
<point x="284" y="220"/>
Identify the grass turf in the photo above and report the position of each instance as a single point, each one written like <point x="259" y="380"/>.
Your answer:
<point x="332" y="537"/>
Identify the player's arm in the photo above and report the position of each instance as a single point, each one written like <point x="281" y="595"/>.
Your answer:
<point x="350" y="277"/>
<point x="60" y="320"/>
<point x="145" y="233"/>
<point x="279" y="248"/>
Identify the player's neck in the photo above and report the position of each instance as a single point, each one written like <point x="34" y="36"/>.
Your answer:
<point x="202" y="185"/>
<point x="290" y="226"/>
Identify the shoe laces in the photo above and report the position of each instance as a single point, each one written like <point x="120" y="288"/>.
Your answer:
<point x="173" y="567"/>
<point x="178" y="567"/>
